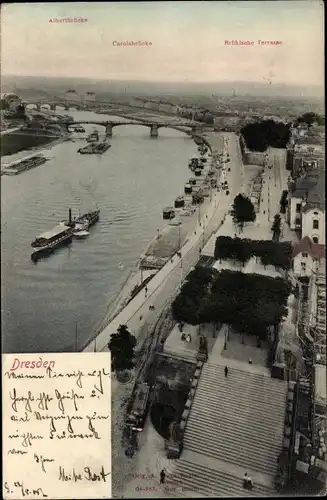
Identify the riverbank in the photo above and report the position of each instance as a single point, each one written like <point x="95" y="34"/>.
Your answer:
<point x="19" y="142"/>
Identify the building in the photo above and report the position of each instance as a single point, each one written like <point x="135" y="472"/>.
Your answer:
<point x="89" y="97"/>
<point x="306" y="151"/>
<point x="72" y="95"/>
<point x="306" y="206"/>
<point x="307" y="257"/>
<point x="310" y="426"/>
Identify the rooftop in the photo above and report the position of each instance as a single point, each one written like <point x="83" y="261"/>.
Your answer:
<point x="311" y="187"/>
<point x="60" y="228"/>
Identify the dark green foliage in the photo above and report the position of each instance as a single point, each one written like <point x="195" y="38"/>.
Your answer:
<point x="122" y="345"/>
<point x="276" y="227"/>
<point x="195" y="292"/>
<point x="4" y="105"/>
<point x="310" y="118"/>
<point x="250" y="303"/>
<point x="242" y="210"/>
<point x="258" y="136"/>
<point x="269" y="252"/>
<point x="283" y="201"/>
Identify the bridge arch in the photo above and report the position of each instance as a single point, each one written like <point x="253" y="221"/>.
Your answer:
<point x="31" y="105"/>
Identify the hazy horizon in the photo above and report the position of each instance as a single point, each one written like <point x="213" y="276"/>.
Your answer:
<point x="187" y="41"/>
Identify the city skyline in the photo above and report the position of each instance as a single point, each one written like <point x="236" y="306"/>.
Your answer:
<point x="188" y="41"/>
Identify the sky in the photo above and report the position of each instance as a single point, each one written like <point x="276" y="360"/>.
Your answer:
<point x="187" y="41"/>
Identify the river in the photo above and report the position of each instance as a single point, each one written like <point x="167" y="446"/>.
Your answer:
<point x="45" y="306"/>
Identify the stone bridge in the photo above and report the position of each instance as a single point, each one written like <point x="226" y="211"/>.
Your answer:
<point x="53" y="105"/>
<point x="154" y="126"/>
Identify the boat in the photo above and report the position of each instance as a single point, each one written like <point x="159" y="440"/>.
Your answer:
<point x="193" y="163"/>
<point x="93" y="149"/>
<point x="168" y="213"/>
<point x="179" y="202"/>
<point x="187" y="189"/>
<point x="77" y="128"/>
<point x="20" y="166"/>
<point x="102" y="147"/>
<point x="80" y="225"/>
<point x="48" y="241"/>
<point x="81" y="234"/>
<point x="80" y="230"/>
<point x="93" y="137"/>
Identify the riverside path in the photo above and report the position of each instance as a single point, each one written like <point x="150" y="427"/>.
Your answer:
<point x="166" y="283"/>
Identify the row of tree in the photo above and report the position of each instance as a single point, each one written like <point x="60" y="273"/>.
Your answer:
<point x="250" y="303"/>
<point x="310" y="118"/>
<point x="269" y="252"/>
<point x="276" y="227"/>
<point x="260" y="135"/>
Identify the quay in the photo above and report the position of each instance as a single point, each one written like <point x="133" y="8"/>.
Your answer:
<point x="164" y="285"/>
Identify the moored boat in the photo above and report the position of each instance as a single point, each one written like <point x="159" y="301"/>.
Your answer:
<point x="187" y="189"/>
<point x="93" y="137"/>
<point x="20" y="166"/>
<point x="168" y="213"/>
<point x="179" y="202"/>
<point x="95" y="148"/>
<point x="82" y="223"/>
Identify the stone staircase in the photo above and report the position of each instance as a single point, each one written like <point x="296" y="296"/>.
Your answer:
<point x="235" y="426"/>
<point x="189" y="477"/>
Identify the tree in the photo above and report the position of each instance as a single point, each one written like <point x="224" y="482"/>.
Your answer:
<point x="250" y="303"/>
<point x="276" y="227"/>
<point x="122" y="347"/>
<point x="283" y="201"/>
<point x="320" y="120"/>
<point x="242" y="211"/>
<point x="308" y="118"/>
<point x="259" y="135"/>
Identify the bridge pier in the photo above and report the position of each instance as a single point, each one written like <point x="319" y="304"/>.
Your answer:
<point x="109" y="130"/>
<point x="38" y="107"/>
<point x="66" y="107"/>
<point x="53" y="107"/>
<point x="154" y="131"/>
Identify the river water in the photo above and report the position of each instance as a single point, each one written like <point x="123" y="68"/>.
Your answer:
<point x="45" y="304"/>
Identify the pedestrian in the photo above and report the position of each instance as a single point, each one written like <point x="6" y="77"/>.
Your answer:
<point x="162" y="476"/>
<point x="146" y="291"/>
<point x="250" y="361"/>
<point x="226" y="371"/>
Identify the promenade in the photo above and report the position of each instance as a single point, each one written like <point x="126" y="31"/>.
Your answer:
<point x="166" y="283"/>
<point x="218" y="445"/>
